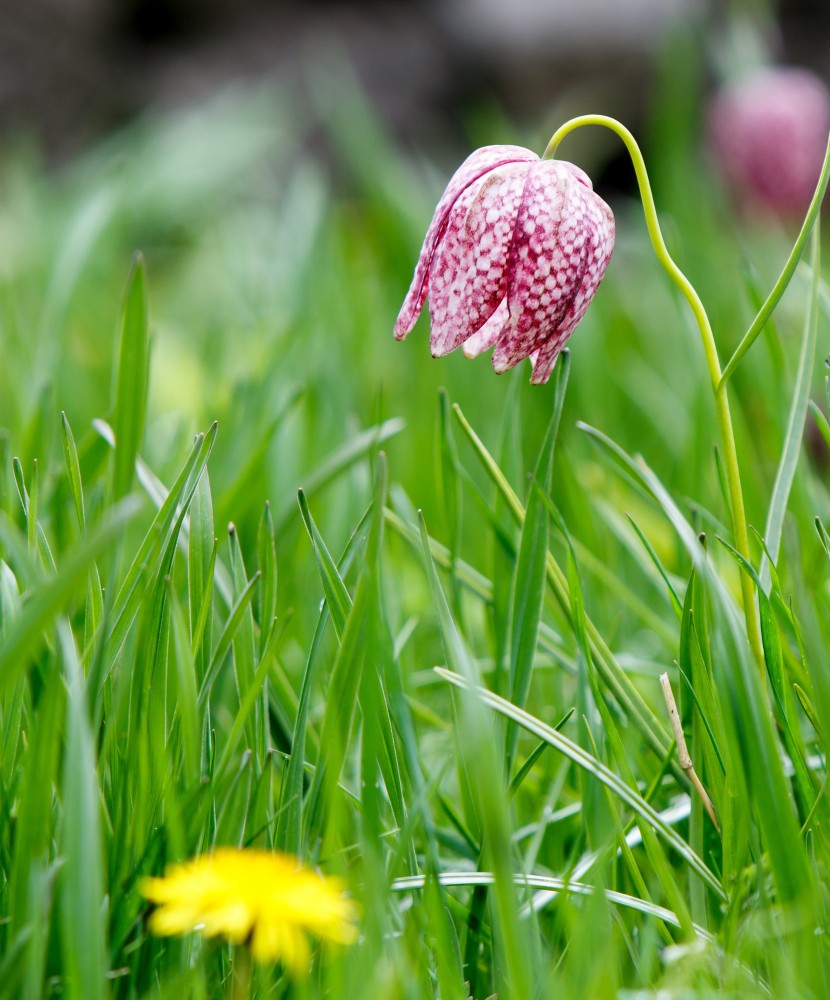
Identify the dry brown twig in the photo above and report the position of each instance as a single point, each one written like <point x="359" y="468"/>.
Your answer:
<point x="683" y="755"/>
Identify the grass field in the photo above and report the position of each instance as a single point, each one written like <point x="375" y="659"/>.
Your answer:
<point x="192" y="654"/>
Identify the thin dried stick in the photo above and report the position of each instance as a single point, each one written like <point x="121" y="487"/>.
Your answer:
<point x="683" y="751"/>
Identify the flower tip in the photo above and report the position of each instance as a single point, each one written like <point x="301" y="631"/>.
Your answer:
<point x="402" y="329"/>
<point x="501" y="362"/>
<point x="440" y="344"/>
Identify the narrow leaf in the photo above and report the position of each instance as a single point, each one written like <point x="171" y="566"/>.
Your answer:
<point x="131" y="380"/>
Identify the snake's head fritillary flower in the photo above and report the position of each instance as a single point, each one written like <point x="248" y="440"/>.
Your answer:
<point x="514" y="254"/>
<point x="260" y="898"/>
<point x="768" y="132"/>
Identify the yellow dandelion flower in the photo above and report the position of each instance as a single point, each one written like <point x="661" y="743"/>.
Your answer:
<point x="262" y="898"/>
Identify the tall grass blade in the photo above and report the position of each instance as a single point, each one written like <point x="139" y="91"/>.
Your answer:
<point x="529" y="575"/>
<point x="342" y="458"/>
<point x="289" y="823"/>
<point x="131" y="380"/>
<point x="587" y="762"/>
<point x="26" y="633"/>
<point x="83" y="924"/>
<point x="201" y="555"/>
<point x="796" y="420"/>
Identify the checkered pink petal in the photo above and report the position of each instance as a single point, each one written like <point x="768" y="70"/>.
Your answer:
<point x="479" y="163"/>
<point x="468" y="275"/>
<point x="488" y="334"/>
<point x="562" y="244"/>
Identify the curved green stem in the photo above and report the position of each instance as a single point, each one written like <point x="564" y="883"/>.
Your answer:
<point x="724" y="418"/>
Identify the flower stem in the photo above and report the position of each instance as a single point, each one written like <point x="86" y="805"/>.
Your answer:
<point x="241" y="978"/>
<point x="724" y="418"/>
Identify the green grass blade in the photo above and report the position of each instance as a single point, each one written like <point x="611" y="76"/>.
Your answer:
<point x="289" y="824"/>
<point x="675" y="600"/>
<point x="33" y="832"/>
<point x="185" y="686"/>
<point x="83" y="927"/>
<point x="597" y="769"/>
<point x="341" y="706"/>
<point x="775" y="668"/>
<point x="336" y="592"/>
<point x="131" y="380"/>
<point x="233" y="501"/>
<point x="551" y="884"/>
<point x="226" y="637"/>
<point x="747" y="718"/>
<point x="449" y="488"/>
<point x="531" y="564"/>
<point x="533" y="757"/>
<point x="470" y="578"/>
<point x="32" y="511"/>
<point x="201" y="556"/>
<point x="483" y="770"/>
<point x="20" y="483"/>
<point x="244" y="653"/>
<point x="73" y="470"/>
<point x="342" y="458"/>
<point x="755" y="750"/>
<point x="129" y="596"/>
<point x="612" y="674"/>
<point x="26" y="634"/>
<point x="821" y="421"/>
<point x="246" y="707"/>
<point x="796" y="420"/>
<point x="267" y="561"/>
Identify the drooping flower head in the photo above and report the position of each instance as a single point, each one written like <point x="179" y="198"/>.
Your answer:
<point x="511" y="260"/>
<point x="265" y="899"/>
<point x="768" y="132"/>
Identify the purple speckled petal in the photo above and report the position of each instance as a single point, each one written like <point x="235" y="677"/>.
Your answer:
<point x="600" y="242"/>
<point x="577" y="172"/>
<point x="488" y="334"/>
<point x="474" y="167"/>
<point x="468" y="276"/>
<point x="563" y="242"/>
<point x="545" y="358"/>
<point x="544" y="264"/>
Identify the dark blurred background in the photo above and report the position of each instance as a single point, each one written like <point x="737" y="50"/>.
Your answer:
<point x="72" y="70"/>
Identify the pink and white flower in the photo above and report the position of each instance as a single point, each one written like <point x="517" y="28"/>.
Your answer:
<point x="768" y="132"/>
<point x="514" y="254"/>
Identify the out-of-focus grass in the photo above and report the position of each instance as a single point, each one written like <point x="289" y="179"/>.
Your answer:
<point x="160" y="661"/>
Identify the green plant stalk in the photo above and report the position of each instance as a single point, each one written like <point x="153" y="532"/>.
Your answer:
<point x="241" y="974"/>
<point x="724" y="418"/>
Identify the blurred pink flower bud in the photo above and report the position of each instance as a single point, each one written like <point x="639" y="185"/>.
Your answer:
<point x="769" y="134"/>
<point x="512" y="258"/>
